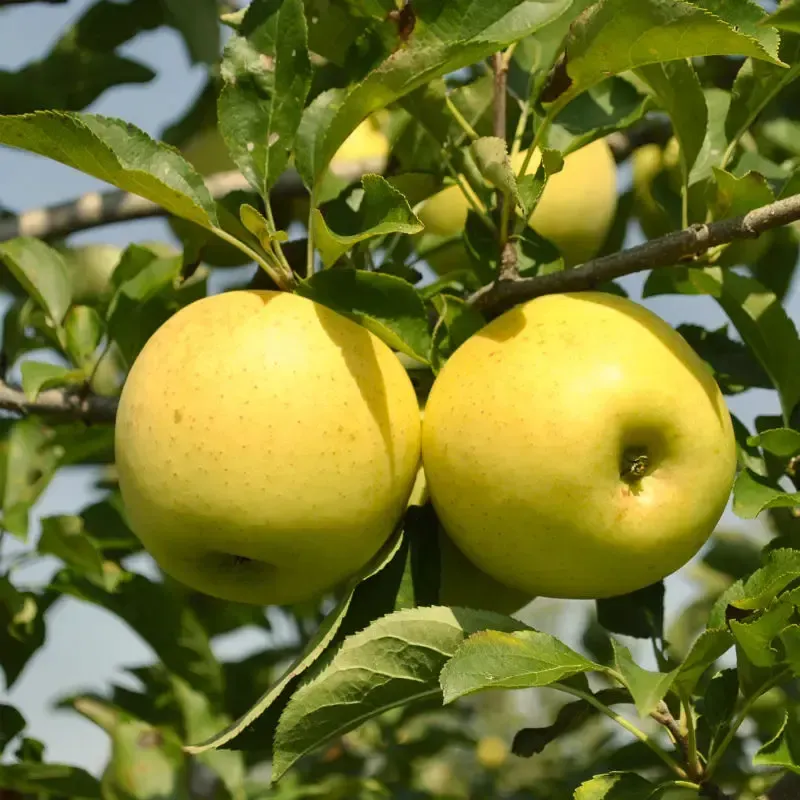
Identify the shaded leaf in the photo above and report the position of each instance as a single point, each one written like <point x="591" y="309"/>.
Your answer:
<point x="60" y="780"/>
<point x="639" y="614"/>
<point x="782" y="567"/>
<point x="394" y="661"/>
<point x="457" y="322"/>
<point x="21" y="628"/>
<point x="198" y="24"/>
<point x="267" y="76"/>
<point x="491" y="157"/>
<point x="11" y="724"/>
<point x="446" y="37"/>
<point x="718" y="703"/>
<point x="382" y="209"/>
<point x="787" y="17"/>
<point x="386" y="305"/>
<point x="83" y="328"/>
<point x="783" y="750"/>
<point x="530" y="741"/>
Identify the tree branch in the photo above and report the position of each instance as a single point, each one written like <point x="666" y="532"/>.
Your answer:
<point x="103" y="208"/>
<point x="666" y="251"/>
<point x="61" y="404"/>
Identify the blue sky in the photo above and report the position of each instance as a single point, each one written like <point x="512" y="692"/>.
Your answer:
<point x="86" y="647"/>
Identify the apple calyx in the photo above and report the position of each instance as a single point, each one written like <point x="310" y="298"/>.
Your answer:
<point x="635" y="463"/>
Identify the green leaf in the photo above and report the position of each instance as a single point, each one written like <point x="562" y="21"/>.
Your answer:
<point x="146" y="763"/>
<point x="382" y="209"/>
<point x="365" y="596"/>
<point x="496" y="659"/>
<point x="457" y="322"/>
<point x="790" y="639"/>
<point x="757" y="84"/>
<point x="387" y="306"/>
<point x="41" y="271"/>
<point x="677" y="88"/>
<point x="639" y="614"/>
<point x="198" y="24"/>
<point x="393" y="662"/>
<point x="718" y="704"/>
<point x="783" y="750"/>
<point x="763" y="325"/>
<point x="116" y="152"/>
<point x="572" y="716"/>
<point x="82" y="64"/>
<point x="21" y="628"/>
<point x="609" y="106"/>
<point x="31" y="460"/>
<point x="38" y="376"/>
<point x="736" y="196"/>
<point x="446" y="38"/>
<point x="267" y="76"/>
<point x="783" y="442"/>
<point x="491" y="157"/>
<point x="787" y="17"/>
<point x="782" y="567"/>
<point x="753" y="494"/>
<point x="65" y="537"/>
<point x="46" y="780"/>
<point x="83" y="327"/>
<point x="11" y="724"/>
<point x="201" y="720"/>
<point x="755" y="634"/>
<point x="709" y="646"/>
<point x="158" y="616"/>
<point x="615" y="786"/>
<point x="735" y="369"/>
<point x="655" y="31"/>
<point x="647" y="688"/>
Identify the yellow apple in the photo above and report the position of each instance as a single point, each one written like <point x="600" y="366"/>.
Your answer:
<point x="266" y="446"/>
<point x="367" y="141"/>
<point x="575" y="211"/>
<point x="577" y="447"/>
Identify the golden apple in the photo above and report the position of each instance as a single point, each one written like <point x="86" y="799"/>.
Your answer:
<point x="577" y="447"/>
<point x="207" y="152"/>
<point x="575" y="211"/>
<point x="367" y="141"/>
<point x="266" y="446"/>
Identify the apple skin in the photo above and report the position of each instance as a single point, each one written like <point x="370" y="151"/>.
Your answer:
<point x="525" y="434"/>
<point x="575" y="211"/>
<point x="266" y="446"/>
<point x="366" y="141"/>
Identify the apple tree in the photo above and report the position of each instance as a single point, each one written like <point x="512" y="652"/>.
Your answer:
<point x="428" y="176"/>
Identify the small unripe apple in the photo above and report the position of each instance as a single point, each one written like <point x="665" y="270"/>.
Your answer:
<point x="266" y="446"/>
<point x="575" y="211"/>
<point x="578" y="447"/>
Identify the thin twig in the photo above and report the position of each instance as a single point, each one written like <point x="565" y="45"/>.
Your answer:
<point x="508" y="253"/>
<point x="60" y="404"/>
<point x="666" y="251"/>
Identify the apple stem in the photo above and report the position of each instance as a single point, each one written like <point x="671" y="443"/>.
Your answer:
<point x="635" y="463"/>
